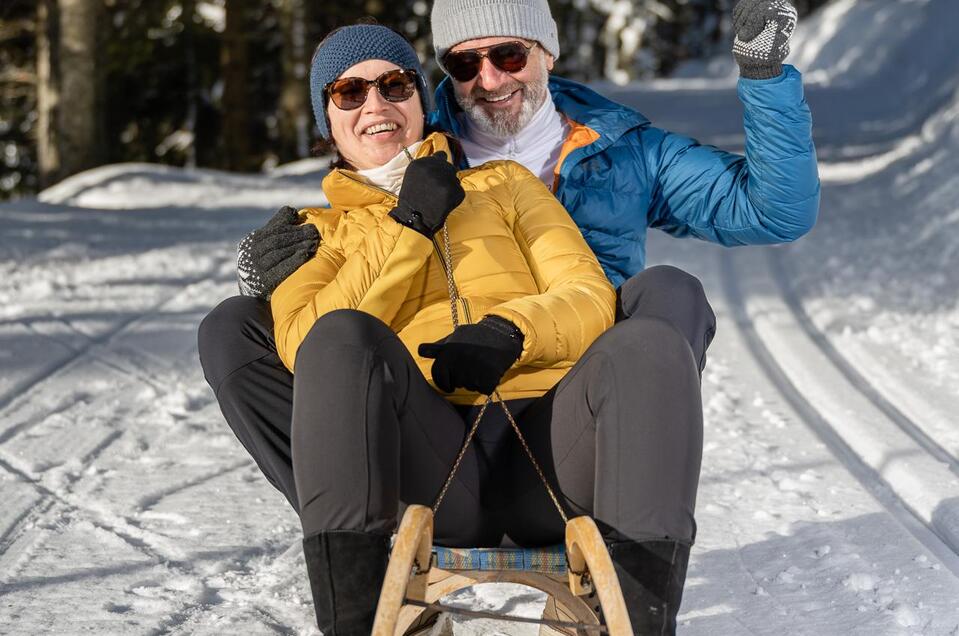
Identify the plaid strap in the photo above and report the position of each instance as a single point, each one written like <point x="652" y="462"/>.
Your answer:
<point x="548" y="560"/>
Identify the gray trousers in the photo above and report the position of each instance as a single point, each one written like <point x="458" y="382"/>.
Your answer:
<point x="620" y="437"/>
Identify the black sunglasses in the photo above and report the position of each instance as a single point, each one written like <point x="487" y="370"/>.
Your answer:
<point x="509" y="56"/>
<point x="349" y="93"/>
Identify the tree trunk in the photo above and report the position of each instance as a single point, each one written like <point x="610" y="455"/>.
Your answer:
<point x="78" y="127"/>
<point x="192" y="94"/>
<point x="48" y="94"/>
<point x="295" y="114"/>
<point x="235" y="66"/>
<point x="68" y="130"/>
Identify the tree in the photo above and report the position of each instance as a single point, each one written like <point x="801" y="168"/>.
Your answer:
<point x="18" y="81"/>
<point x="69" y="132"/>
<point x="234" y="60"/>
<point x="294" y="107"/>
<point x="623" y="40"/>
<point x="48" y="91"/>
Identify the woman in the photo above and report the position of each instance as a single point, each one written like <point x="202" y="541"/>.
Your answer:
<point x="385" y="387"/>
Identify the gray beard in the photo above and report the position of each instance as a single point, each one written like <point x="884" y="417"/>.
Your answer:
<point x="505" y="124"/>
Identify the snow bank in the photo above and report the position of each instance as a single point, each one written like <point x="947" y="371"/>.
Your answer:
<point x="147" y="186"/>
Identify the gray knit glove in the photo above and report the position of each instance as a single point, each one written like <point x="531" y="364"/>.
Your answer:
<point x="763" y="29"/>
<point x="267" y="256"/>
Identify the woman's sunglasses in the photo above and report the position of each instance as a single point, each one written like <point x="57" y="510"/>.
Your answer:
<point x="509" y="56"/>
<point x="349" y="93"/>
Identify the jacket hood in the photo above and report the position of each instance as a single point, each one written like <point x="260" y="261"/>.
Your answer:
<point x="348" y="190"/>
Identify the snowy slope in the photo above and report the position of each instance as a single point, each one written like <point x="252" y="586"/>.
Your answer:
<point x="829" y="500"/>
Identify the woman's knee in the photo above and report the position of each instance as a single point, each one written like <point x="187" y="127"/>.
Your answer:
<point x="349" y="327"/>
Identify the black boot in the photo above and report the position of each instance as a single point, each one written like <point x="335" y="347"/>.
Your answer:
<point x="651" y="575"/>
<point x="346" y="573"/>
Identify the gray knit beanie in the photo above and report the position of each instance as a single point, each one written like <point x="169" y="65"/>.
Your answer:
<point x="455" y="21"/>
<point x="354" y="44"/>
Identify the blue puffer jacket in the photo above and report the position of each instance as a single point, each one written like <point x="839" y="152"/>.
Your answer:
<point x="637" y="176"/>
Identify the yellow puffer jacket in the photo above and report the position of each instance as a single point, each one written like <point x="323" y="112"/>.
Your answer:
<point x="516" y="254"/>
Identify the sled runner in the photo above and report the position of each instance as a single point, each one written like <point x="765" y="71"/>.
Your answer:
<point x="584" y="596"/>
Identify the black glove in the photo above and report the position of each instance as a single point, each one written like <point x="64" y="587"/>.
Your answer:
<point x="475" y="357"/>
<point x="430" y="191"/>
<point x="763" y="29"/>
<point x="267" y="256"/>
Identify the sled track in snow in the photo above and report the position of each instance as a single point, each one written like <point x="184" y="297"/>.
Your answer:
<point x="941" y="543"/>
<point x="25" y="386"/>
<point x="864" y="386"/>
<point x="125" y="529"/>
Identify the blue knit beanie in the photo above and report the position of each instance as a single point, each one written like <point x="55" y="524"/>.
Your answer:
<point x="352" y="45"/>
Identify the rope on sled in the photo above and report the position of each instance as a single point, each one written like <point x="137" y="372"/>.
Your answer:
<point x="454" y="313"/>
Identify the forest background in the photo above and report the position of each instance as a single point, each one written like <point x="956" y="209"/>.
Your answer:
<point x="223" y="83"/>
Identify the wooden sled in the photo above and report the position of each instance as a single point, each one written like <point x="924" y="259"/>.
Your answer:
<point x="584" y="596"/>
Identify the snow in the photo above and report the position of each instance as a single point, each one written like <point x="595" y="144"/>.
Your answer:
<point x="829" y="499"/>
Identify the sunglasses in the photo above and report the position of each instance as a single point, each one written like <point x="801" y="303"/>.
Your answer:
<point x="509" y="56"/>
<point x="349" y="93"/>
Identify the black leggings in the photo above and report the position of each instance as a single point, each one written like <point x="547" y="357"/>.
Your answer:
<point x="620" y="437"/>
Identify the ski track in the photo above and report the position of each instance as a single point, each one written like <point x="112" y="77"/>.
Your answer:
<point x="99" y="520"/>
<point x="56" y="506"/>
<point x="81" y="353"/>
<point x="151" y="500"/>
<point x="24" y="388"/>
<point x="864" y="386"/>
<point x="171" y="562"/>
<point x="930" y="536"/>
<point x="63" y="500"/>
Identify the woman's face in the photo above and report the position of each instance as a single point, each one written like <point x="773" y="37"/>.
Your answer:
<point x="399" y="124"/>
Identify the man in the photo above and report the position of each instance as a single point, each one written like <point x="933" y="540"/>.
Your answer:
<point x="616" y="175"/>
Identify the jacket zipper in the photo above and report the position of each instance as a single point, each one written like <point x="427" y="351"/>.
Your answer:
<point x="439" y="254"/>
<point x="386" y="192"/>
<point x="466" y="310"/>
<point x="436" y="247"/>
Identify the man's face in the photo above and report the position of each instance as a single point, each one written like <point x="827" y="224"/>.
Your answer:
<point x="499" y="102"/>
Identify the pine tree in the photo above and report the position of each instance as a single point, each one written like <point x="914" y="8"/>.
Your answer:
<point x="18" y="98"/>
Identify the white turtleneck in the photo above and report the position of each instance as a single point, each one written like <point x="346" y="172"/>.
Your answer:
<point x="389" y="176"/>
<point x="536" y="146"/>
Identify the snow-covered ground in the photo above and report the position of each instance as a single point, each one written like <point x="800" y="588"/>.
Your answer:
<point x="829" y="501"/>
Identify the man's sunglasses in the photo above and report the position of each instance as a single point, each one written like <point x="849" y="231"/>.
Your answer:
<point x="349" y="93"/>
<point x="509" y="56"/>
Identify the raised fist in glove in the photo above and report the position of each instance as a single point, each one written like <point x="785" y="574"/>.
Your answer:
<point x="763" y="29"/>
<point x="475" y="357"/>
<point x="430" y="191"/>
<point x="267" y="256"/>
